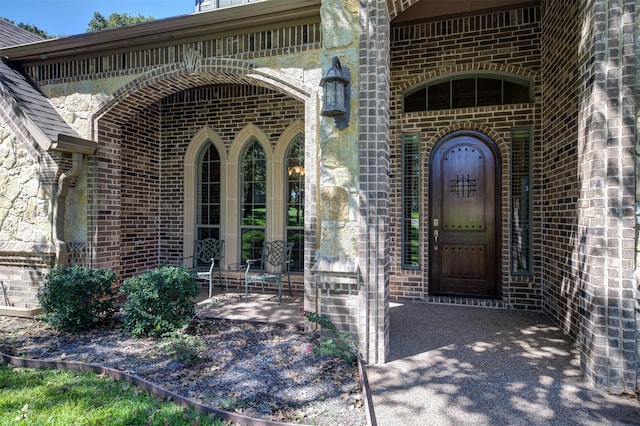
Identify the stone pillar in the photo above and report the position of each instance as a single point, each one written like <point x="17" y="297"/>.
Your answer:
<point x="608" y="191"/>
<point x="338" y="178"/>
<point x="354" y="179"/>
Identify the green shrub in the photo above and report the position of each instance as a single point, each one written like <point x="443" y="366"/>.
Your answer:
<point x="76" y="298"/>
<point x="159" y="301"/>
<point x="340" y="347"/>
<point x="186" y="348"/>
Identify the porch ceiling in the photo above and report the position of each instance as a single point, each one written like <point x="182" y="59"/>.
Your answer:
<point x="416" y="10"/>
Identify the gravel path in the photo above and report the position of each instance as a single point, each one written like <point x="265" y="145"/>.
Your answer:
<point x="258" y="370"/>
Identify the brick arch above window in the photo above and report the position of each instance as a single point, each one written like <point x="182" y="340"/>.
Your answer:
<point x="516" y="71"/>
<point x="396" y="7"/>
<point x="499" y="141"/>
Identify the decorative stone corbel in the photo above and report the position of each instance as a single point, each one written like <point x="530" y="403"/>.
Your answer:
<point x="78" y="148"/>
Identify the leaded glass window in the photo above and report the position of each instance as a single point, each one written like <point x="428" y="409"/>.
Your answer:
<point x="294" y="205"/>
<point x="410" y="201"/>
<point x="521" y="201"/>
<point x="208" y="211"/>
<point x="253" y="200"/>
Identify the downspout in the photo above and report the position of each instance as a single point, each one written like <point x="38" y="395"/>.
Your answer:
<point x="60" y="206"/>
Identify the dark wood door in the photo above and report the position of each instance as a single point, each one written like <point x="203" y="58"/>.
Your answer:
<point x="463" y="217"/>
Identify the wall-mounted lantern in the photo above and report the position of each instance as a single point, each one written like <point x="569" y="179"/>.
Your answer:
<point x="337" y="94"/>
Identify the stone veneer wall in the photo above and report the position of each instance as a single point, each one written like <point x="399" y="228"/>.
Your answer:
<point x="26" y="209"/>
<point x="354" y="180"/>
<point x="505" y="41"/>
<point x="84" y="89"/>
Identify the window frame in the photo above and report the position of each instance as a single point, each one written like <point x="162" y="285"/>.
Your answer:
<point x="450" y="78"/>
<point x="256" y="250"/>
<point x="299" y="248"/>
<point x="515" y="192"/>
<point x="407" y="239"/>
<point x="199" y="226"/>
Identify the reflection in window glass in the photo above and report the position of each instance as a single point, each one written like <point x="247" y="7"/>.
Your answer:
<point x="463" y="93"/>
<point x="489" y="91"/>
<point x="415" y="101"/>
<point x="294" y="196"/>
<point x="253" y="200"/>
<point x="521" y="201"/>
<point x="208" y="219"/>
<point x="467" y="91"/>
<point x="410" y="201"/>
<point x="439" y="96"/>
<point x="515" y="93"/>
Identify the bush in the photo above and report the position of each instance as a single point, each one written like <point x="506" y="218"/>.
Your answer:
<point x="186" y="348"/>
<point x="159" y="301"/>
<point x="76" y="298"/>
<point x="340" y="347"/>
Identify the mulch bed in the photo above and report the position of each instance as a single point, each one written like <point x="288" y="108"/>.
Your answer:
<point x="257" y="370"/>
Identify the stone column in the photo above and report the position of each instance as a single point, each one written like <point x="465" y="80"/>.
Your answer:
<point x="338" y="181"/>
<point x="354" y="179"/>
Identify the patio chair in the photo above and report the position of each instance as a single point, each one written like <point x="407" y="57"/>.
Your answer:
<point x="208" y="252"/>
<point x="275" y="261"/>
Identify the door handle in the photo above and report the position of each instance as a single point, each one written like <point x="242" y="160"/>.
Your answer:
<point x="435" y="235"/>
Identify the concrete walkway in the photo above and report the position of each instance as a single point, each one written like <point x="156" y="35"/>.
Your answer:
<point x="456" y="365"/>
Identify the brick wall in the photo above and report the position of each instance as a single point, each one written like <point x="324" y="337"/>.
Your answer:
<point x="560" y="184"/>
<point x="23" y="267"/>
<point x="507" y="42"/>
<point x="373" y="146"/>
<point x="139" y="170"/>
<point x="589" y="116"/>
<point x="142" y="192"/>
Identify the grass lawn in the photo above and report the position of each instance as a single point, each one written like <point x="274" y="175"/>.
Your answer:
<point x="52" y="397"/>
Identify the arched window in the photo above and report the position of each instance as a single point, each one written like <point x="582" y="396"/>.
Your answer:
<point x="208" y="194"/>
<point x="253" y="200"/>
<point x="294" y="201"/>
<point x="467" y="91"/>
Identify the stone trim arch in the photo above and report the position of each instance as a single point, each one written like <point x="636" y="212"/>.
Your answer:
<point x="294" y="129"/>
<point x="149" y="87"/>
<point x="204" y="136"/>
<point x="130" y="99"/>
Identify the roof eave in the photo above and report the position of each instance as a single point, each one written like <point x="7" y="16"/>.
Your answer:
<point x="67" y="143"/>
<point x="169" y="29"/>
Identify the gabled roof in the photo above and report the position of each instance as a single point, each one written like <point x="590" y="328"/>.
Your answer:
<point x="11" y="35"/>
<point x="28" y="105"/>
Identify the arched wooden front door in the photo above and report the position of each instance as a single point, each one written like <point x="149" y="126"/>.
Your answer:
<point x="463" y="241"/>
